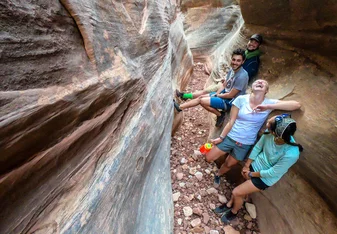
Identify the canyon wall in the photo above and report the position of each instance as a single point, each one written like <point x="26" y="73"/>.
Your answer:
<point x="86" y="115"/>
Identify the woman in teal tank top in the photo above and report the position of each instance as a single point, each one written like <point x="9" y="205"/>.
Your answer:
<point x="270" y="159"/>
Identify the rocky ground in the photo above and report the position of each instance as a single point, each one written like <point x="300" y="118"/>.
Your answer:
<point x="194" y="193"/>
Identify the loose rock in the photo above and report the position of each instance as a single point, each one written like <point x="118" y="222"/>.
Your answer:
<point x="222" y="199"/>
<point x="212" y="190"/>
<point x="197" y="211"/>
<point x="251" y="209"/>
<point x="247" y="217"/>
<point x="193" y="170"/>
<point x="187" y="211"/>
<point x="207" y="229"/>
<point x="195" y="222"/>
<point x="182" y="184"/>
<point x="214" y="232"/>
<point x="198" y="175"/>
<point x="175" y="196"/>
<point x="180" y="176"/>
<point x="179" y="221"/>
<point x="229" y="230"/>
<point x="205" y="218"/>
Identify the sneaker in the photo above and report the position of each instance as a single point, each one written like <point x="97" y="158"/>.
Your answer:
<point x="222" y="209"/>
<point x="176" y="105"/>
<point x="217" y="180"/>
<point x="220" y="119"/>
<point x="180" y="95"/>
<point x="228" y="216"/>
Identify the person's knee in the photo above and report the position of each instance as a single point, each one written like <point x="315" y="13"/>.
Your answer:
<point x="230" y="164"/>
<point x="209" y="158"/>
<point x="237" y="193"/>
<point x="204" y="101"/>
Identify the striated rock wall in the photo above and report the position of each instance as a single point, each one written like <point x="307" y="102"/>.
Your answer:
<point x="86" y="115"/>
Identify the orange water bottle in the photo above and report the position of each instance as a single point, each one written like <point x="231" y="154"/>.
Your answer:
<point x="205" y="148"/>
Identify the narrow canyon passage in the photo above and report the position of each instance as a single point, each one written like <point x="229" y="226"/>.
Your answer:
<point x="86" y="113"/>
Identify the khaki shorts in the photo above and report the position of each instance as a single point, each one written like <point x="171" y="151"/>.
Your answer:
<point x="236" y="149"/>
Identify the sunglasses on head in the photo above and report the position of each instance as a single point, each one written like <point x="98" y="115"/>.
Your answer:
<point x="280" y="117"/>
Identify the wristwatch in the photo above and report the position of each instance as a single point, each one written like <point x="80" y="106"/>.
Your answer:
<point x="250" y="174"/>
<point x="222" y="138"/>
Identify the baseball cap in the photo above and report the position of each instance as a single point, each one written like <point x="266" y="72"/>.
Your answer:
<point x="257" y="37"/>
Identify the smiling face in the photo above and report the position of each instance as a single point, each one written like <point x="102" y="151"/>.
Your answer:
<point x="252" y="45"/>
<point x="260" y="86"/>
<point x="236" y="62"/>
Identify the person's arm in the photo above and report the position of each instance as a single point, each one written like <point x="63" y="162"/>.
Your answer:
<point x="257" y="148"/>
<point x="280" y="105"/>
<point x="280" y="168"/>
<point x="255" y="152"/>
<point x="233" y="115"/>
<point x="229" y="95"/>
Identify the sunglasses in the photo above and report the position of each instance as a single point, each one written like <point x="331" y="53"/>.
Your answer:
<point x="279" y="118"/>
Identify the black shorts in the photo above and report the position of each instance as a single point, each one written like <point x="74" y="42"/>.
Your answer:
<point x="257" y="182"/>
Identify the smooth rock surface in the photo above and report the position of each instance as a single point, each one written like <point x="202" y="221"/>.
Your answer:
<point x="86" y="114"/>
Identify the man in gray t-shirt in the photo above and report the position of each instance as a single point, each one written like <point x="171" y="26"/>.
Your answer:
<point x="235" y="84"/>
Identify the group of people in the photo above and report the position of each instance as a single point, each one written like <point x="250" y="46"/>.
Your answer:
<point x="274" y="153"/>
<point x="244" y="66"/>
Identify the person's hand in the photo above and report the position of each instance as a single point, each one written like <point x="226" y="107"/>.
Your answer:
<point x="260" y="108"/>
<point x="245" y="168"/>
<point x="245" y="174"/>
<point x="216" y="141"/>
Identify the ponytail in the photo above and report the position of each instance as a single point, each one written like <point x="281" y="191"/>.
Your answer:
<point x="300" y="147"/>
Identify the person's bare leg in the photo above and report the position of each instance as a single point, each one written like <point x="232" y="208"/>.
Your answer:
<point x="240" y="192"/>
<point x="214" y="154"/>
<point x="189" y="104"/>
<point x="199" y="93"/>
<point x="230" y="202"/>
<point x="205" y="102"/>
<point x="227" y="165"/>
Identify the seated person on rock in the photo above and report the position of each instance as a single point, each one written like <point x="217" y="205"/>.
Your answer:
<point x="235" y="84"/>
<point x="248" y="113"/>
<point x="270" y="159"/>
<point x="251" y="65"/>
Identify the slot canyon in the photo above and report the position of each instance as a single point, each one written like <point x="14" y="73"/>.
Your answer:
<point x="86" y="112"/>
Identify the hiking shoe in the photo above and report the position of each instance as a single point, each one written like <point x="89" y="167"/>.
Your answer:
<point x="220" y="119"/>
<point x="180" y="95"/>
<point x="217" y="180"/>
<point x="228" y="216"/>
<point x="176" y="105"/>
<point x="222" y="209"/>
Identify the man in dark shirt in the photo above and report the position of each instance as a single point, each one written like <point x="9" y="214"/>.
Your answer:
<point x="252" y="62"/>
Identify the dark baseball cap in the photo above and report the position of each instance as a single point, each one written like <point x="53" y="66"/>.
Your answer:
<point x="257" y="37"/>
